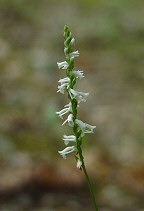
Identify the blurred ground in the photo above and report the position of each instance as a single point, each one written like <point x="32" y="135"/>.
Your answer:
<point x="110" y="38"/>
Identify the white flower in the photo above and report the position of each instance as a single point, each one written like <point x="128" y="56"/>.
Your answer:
<point x="79" y="163"/>
<point x="66" y="151"/>
<point x="68" y="139"/>
<point x="72" y="41"/>
<point x="86" y="128"/>
<point x="64" y="80"/>
<point x="69" y="120"/>
<point x="64" y="65"/>
<point x="78" y="73"/>
<point x="74" y="54"/>
<point x="64" y="84"/>
<point x="80" y="96"/>
<point x="65" y="110"/>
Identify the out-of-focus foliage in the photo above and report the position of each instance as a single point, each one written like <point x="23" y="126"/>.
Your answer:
<point x="110" y="38"/>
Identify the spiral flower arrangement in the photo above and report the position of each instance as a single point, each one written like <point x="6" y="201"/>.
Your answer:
<point x="66" y="85"/>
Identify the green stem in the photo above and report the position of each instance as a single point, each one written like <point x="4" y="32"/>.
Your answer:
<point x="82" y="158"/>
<point x="90" y="186"/>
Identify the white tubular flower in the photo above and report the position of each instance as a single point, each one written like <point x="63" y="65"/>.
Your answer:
<point x="68" y="139"/>
<point x="72" y="41"/>
<point x="68" y="105"/>
<point x="79" y="164"/>
<point x="64" y="65"/>
<point x="80" y="96"/>
<point x="64" y="85"/>
<point x="78" y="73"/>
<point x="64" y="80"/>
<point x="86" y="128"/>
<point x="69" y="120"/>
<point x="65" y="110"/>
<point x="74" y="54"/>
<point x="66" y="151"/>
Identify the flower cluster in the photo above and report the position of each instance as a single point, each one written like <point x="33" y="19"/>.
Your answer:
<point x="75" y="97"/>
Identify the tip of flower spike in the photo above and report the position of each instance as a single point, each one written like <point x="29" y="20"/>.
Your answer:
<point x="66" y="27"/>
<point x="66" y="31"/>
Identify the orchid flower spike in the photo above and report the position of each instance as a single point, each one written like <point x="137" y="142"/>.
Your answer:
<point x="66" y="85"/>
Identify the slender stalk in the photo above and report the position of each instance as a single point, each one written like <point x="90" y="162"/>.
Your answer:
<point x="79" y="142"/>
<point x="90" y="187"/>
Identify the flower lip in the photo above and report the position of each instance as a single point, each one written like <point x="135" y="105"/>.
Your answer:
<point x="64" y="84"/>
<point x="86" y="128"/>
<point x="74" y="54"/>
<point x="66" y="151"/>
<point x="65" y="110"/>
<point x="64" y="80"/>
<point x="62" y="65"/>
<point x="70" y="138"/>
<point x="78" y="73"/>
<point x="80" y="96"/>
<point x="69" y="120"/>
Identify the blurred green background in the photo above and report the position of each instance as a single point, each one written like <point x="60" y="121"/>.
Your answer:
<point x="110" y="38"/>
